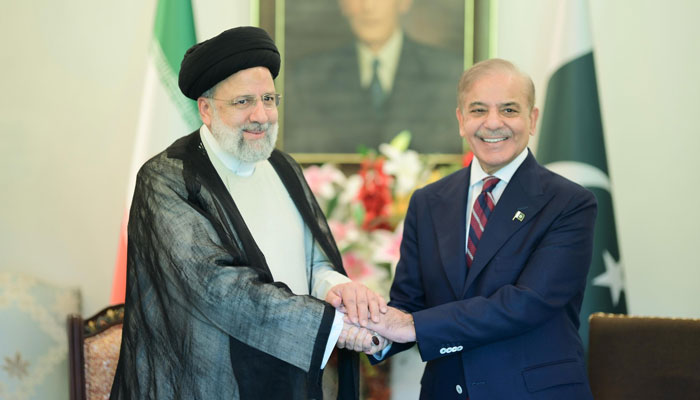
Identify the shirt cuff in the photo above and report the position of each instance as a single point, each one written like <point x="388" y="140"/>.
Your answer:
<point x="336" y="328"/>
<point x="379" y="356"/>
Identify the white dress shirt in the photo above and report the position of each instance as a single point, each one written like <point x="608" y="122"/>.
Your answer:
<point x="388" y="57"/>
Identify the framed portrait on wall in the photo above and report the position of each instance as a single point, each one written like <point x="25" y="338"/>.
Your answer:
<point x="356" y="73"/>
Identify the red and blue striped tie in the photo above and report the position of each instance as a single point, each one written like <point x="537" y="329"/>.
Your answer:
<point x="483" y="206"/>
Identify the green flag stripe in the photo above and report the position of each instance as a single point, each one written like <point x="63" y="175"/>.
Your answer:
<point x="173" y="34"/>
<point x="572" y="131"/>
<point x="168" y="78"/>
<point x="599" y="298"/>
<point x="174" y="30"/>
<point x="571" y="125"/>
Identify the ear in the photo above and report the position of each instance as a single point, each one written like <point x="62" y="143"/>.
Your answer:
<point x="205" y="110"/>
<point x="405" y="5"/>
<point x="534" y="114"/>
<point x="460" y="120"/>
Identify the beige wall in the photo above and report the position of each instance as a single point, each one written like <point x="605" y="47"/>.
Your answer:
<point x="71" y="80"/>
<point x="647" y="62"/>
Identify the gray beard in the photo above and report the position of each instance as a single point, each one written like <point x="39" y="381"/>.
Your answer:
<point x="233" y="142"/>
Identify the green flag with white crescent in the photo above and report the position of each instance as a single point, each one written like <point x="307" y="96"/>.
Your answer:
<point x="166" y="114"/>
<point x="572" y="144"/>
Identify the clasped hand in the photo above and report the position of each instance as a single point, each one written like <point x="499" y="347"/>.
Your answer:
<point x="361" y="307"/>
<point x="394" y="326"/>
<point x="386" y="324"/>
<point x="356" y="338"/>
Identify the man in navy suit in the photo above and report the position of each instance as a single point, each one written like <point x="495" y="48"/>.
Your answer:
<point x="498" y="320"/>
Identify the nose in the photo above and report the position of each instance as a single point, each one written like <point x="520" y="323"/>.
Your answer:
<point x="259" y="113"/>
<point x="493" y="120"/>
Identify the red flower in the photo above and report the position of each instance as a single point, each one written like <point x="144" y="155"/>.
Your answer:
<point x="467" y="158"/>
<point x="375" y="194"/>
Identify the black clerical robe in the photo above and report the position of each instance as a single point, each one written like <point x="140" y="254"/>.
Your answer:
<point x="204" y="319"/>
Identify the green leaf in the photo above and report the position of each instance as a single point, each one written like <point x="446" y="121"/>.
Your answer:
<point x="358" y="213"/>
<point x="401" y="141"/>
<point x="332" y="203"/>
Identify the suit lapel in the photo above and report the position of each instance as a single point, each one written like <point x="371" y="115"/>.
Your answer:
<point x="523" y="194"/>
<point x="448" y="210"/>
<point x="345" y="94"/>
<point x="345" y="64"/>
<point x="405" y="80"/>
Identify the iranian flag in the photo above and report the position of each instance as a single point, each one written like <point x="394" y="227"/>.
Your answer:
<point x="572" y="144"/>
<point x="165" y="113"/>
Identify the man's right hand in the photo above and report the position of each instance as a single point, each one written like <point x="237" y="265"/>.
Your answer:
<point x="395" y="325"/>
<point x="356" y="338"/>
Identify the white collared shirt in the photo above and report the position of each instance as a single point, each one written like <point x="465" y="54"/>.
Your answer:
<point x="388" y="61"/>
<point x="505" y="174"/>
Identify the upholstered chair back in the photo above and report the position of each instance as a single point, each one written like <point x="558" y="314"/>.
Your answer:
<point x="643" y="357"/>
<point x="93" y="352"/>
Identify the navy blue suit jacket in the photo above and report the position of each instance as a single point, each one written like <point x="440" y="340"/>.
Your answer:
<point x="507" y="328"/>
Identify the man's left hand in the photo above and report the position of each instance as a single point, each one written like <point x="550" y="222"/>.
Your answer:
<point x="395" y="325"/>
<point x="357" y="301"/>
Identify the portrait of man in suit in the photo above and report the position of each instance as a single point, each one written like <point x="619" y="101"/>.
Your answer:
<point x="374" y="82"/>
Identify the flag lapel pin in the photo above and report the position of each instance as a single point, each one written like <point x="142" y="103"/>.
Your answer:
<point x="519" y="216"/>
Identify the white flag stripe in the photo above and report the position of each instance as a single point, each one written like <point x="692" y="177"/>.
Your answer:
<point x="160" y="123"/>
<point x="572" y="37"/>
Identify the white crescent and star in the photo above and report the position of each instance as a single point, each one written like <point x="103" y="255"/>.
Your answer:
<point x="613" y="277"/>
<point x="589" y="176"/>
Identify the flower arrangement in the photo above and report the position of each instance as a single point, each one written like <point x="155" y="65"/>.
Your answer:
<point x="365" y="210"/>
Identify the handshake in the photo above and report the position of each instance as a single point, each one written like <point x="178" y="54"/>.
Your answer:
<point x="369" y="324"/>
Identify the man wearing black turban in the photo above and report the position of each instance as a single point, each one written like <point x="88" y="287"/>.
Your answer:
<point x="229" y="254"/>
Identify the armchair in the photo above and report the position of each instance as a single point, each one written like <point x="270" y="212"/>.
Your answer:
<point x="93" y="352"/>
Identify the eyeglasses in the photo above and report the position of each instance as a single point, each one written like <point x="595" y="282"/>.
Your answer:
<point x="269" y="101"/>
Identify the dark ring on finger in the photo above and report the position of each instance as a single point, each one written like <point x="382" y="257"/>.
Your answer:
<point x="375" y="340"/>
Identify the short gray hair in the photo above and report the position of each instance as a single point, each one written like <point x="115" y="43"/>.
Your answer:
<point x="482" y="68"/>
<point x="209" y="93"/>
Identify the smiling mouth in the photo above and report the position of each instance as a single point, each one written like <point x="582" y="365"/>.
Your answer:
<point x="255" y="133"/>
<point x="494" y="140"/>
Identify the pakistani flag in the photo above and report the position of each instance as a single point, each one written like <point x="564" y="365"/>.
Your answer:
<point x="166" y="114"/>
<point x="571" y="144"/>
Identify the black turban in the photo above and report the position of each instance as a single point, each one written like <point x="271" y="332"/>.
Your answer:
<point x="210" y="62"/>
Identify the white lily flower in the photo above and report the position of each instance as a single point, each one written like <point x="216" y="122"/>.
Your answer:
<point x="351" y="189"/>
<point x="405" y="165"/>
